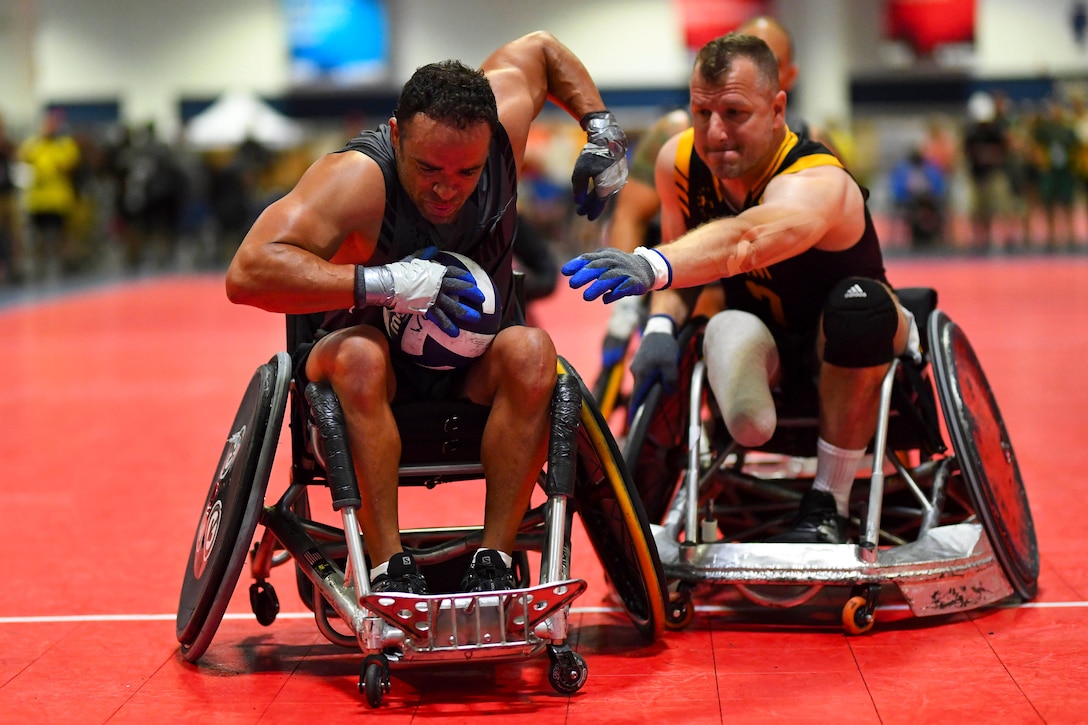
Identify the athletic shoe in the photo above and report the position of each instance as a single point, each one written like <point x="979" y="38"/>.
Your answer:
<point x="488" y="573"/>
<point x="402" y="575"/>
<point x="818" y="522"/>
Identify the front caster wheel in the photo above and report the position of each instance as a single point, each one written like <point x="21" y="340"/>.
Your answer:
<point x="680" y="612"/>
<point x="374" y="679"/>
<point x="265" y="603"/>
<point x="858" y="616"/>
<point x="568" y="671"/>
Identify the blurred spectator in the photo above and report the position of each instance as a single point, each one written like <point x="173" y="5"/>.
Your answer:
<point x="986" y="147"/>
<point x="50" y="199"/>
<point x="153" y="194"/>
<point x="1079" y="110"/>
<point x="918" y="189"/>
<point x="1055" y="147"/>
<point x="941" y="147"/>
<point x="234" y="196"/>
<point x="10" y="244"/>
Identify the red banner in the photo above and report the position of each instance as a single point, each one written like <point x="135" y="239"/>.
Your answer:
<point x="925" y="24"/>
<point x="704" y="20"/>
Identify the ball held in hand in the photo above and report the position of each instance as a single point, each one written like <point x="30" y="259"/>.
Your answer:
<point x="417" y="338"/>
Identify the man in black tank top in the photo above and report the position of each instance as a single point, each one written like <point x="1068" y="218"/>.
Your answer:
<point x="347" y="241"/>
<point x="782" y="226"/>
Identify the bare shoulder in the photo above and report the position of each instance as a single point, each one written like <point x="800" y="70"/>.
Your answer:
<point x="825" y="192"/>
<point x="666" y="155"/>
<point x="338" y="204"/>
<point x="347" y="185"/>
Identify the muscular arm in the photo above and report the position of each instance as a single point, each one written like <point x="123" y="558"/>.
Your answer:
<point x="294" y="260"/>
<point x="818" y="207"/>
<point x="528" y="71"/>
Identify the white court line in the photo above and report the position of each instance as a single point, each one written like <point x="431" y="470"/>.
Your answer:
<point x="88" y="618"/>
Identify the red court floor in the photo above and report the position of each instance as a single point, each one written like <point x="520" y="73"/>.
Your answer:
<point x="118" y="399"/>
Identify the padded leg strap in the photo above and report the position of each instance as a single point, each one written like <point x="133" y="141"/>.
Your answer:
<point x="741" y="359"/>
<point x="331" y="440"/>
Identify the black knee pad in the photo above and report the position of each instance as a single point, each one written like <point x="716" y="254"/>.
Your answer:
<point x="860" y="320"/>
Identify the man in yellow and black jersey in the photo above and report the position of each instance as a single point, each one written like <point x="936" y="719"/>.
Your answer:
<point x="785" y="230"/>
<point x="635" y="220"/>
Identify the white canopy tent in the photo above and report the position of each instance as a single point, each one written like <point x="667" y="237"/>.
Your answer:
<point x="236" y="116"/>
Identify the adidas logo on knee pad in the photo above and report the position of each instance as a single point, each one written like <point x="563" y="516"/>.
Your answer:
<point x="854" y="292"/>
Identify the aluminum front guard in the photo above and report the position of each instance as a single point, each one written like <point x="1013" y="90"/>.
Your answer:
<point x="513" y="624"/>
<point x="950" y="568"/>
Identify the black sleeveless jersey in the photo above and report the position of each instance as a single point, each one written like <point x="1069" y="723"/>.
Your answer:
<point x="789" y="295"/>
<point x="484" y="229"/>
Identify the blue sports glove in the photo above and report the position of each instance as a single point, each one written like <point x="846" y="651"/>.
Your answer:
<point x="603" y="161"/>
<point x="458" y="303"/>
<point x="656" y="360"/>
<point x="446" y="295"/>
<point x="617" y="274"/>
<point x="458" y="286"/>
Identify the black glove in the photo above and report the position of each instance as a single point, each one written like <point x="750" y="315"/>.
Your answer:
<point x="656" y="360"/>
<point x="458" y="303"/>
<point x="603" y="161"/>
<point x="614" y="274"/>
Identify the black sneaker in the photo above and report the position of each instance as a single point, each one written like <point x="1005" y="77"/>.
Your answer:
<point x="402" y="575"/>
<point x="818" y="522"/>
<point x="488" y="573"/>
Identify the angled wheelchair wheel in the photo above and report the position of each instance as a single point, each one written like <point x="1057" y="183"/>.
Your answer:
<point x="656" y="450"/>
<point x="606" y="389"/>
<point x="233" y="507"/>
<point x="984" y="453"/>
<point x="615" y="521"/>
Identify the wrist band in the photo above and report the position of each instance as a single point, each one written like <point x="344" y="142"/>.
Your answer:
<point x="661" y="267"/>
<point x="660" y="323"/>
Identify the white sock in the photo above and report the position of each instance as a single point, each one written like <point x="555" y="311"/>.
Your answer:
<point x="506" y="558"/>
<point x="377" y="571"/>
<point x="835" y="471"/>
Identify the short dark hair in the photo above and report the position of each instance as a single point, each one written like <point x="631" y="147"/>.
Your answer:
<point x="716" y="57"/>
<point x="450" y="92"/>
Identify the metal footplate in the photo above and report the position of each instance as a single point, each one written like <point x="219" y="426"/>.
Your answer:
<point x="489" y="625"/>
<point x="948" y="569"/>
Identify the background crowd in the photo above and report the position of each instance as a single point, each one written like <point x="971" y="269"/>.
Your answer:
<point x="1003" y="176"/>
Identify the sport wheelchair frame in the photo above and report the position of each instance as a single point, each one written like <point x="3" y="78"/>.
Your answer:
<point x="942" y="515"/>
<point x="440" y="444"/>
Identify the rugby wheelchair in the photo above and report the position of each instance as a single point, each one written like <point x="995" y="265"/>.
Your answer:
<point x="941" y="514"/>
<point x="584" y="474"/>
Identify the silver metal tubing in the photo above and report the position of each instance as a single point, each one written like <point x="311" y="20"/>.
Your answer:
<point x="695" y="429"/>
<point x="932" y="516"/>
<point x="361" y="578"/>
<point x="443" y="470"/>
<point x="908" y="479"/>
<point x="552" y="558"/>
<point x="880" y="445"/>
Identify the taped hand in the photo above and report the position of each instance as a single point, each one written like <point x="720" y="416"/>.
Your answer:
<point x="603" y="162"/>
